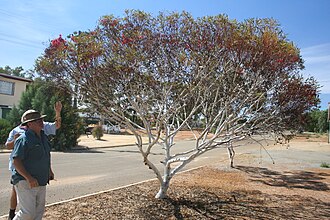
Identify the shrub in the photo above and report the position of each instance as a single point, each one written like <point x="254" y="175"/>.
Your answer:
<point x="325" y="165"/>
<point x="97" y="132"/>
<point x="5" y="128"/>
<point x="41" y="95"/>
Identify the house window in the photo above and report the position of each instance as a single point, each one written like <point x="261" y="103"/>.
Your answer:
<point x="4" y="111"/>
<point x="7" y="88"/>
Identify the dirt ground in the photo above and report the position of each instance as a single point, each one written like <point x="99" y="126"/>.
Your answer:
<point x="249" y="191"/>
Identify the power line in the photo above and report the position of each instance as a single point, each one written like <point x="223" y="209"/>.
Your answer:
<point x="27" y="19"/>
<point x="21" y="43"/>
<point x="18" y="20"/>
<point x="10" y="37"/>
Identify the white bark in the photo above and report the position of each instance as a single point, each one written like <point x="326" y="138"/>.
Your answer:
<point x="231" y="154"/>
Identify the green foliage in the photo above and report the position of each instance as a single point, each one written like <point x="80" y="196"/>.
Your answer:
<point x="325" y="165"/>
<point x="5" y="128"/>
<point x="14" y="72"/>
<point x="14" y="116"/>
<point x="41" y="95"/>
<point x="28" y="96"/>
<point x="17" y="71"/>
<point x="72" y="127"/>
<point x="317" y="121"/>
<point x="97" y="132"/>
<point x="322" y="123"/>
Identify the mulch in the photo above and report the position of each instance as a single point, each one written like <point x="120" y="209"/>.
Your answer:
<point x="217" y="194"/>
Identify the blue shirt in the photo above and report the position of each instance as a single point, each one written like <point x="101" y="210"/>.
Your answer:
<point x="34" y="151"/>
<point x="49" y="128"/>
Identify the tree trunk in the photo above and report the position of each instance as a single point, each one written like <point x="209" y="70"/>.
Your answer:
<point x="162" y="193"/>
<point x="231" y="154"/>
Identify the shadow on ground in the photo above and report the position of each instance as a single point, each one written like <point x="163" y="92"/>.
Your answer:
<point x="99" y="150"/>
<point x="290" y="179"/>
<point x="83" y="150"/>
<point x="247" y="205"/>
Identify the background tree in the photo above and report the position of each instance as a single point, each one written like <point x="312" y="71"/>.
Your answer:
<point x="41" y="95"/>
<point x="317" y="121"/>
<point x="322" y="123"/>
<point x="14" y="117"/>
<point x="4" y="131"/>
<point x="17" y="71"/>
<point x="171" y="69"/>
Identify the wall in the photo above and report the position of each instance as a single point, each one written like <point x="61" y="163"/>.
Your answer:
<point x="8" y="101"/>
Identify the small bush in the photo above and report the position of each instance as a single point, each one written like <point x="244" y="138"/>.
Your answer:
<point x="5" y="128"/>
<point x="325" y="165"/>
<point x="97" y="132"/>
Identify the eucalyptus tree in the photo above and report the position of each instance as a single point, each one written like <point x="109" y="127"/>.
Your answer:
<point x="171" y="70"/>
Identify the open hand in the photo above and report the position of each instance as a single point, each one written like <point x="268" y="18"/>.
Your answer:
<point x="58" y="107"/>
<point x="51" y="175"/>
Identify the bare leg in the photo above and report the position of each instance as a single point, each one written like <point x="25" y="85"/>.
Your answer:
<point x="13" y="199"/>
<point x="13" y="203"/>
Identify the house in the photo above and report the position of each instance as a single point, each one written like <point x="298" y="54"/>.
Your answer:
<point x="11" y="89"/>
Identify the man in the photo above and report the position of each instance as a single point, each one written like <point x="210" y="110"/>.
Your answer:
<point x="32" y="167"/>
<point x="49" y="129"/>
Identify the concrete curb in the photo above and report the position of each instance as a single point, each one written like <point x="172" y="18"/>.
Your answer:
<point x="81" y="148"/>
<point x="4" y="151"/>
<point x="114" y="189"/>
<point x="110" y="146"/>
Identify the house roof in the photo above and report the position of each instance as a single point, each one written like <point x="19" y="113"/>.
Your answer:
<point x="15" y="77"/>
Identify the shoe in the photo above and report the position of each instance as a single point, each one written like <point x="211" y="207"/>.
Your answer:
<point x="11" y="217"/>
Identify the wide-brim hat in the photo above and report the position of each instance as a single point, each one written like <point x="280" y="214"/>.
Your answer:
<point x="31" y="115"/>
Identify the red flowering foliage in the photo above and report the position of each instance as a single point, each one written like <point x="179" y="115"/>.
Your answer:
<point x="56" y="44"/>
<point x="296" y="98"/>
<point x="84" y="49"/>
<point x="126" y="40"/>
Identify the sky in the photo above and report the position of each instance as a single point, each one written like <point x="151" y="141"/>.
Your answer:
<point x="27" y="26"/>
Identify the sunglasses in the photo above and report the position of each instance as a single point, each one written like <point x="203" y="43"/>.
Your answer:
<point x="39" y="120"/>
